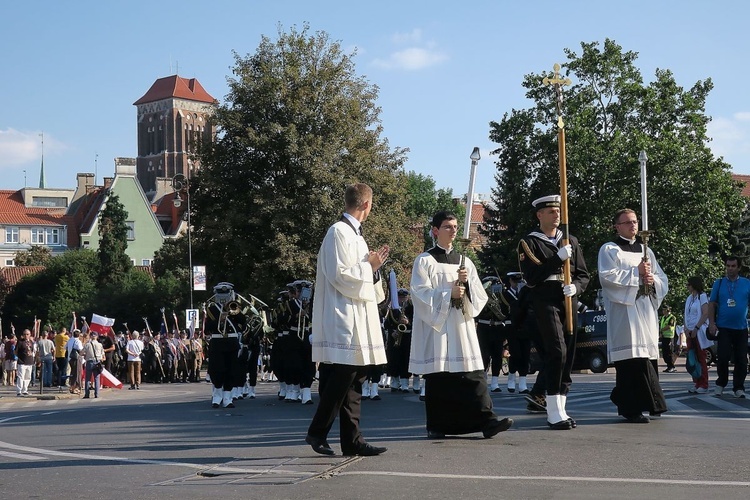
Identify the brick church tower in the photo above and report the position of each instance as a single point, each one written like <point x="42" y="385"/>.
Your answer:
<point x="173" y="116"/>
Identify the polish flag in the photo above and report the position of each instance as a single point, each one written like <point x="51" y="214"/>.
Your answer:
<point x="101" y="324"/>
<point x="109" y="380"/>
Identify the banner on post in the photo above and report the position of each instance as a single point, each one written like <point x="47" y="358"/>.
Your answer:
<point x="199" y="277"/>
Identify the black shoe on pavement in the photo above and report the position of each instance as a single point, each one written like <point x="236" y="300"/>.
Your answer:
<point x="562" y="425"/>
<point x="319" y="445"/>
<point x="495" y="426"/>
<point x="637" y="419"/>
<point x="365" y="450"/>
<point x="537" y="403"/>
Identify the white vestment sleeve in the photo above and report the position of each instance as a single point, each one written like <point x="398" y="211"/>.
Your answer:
<point x="619" y="281"/>
<point x="431" y="300"/>
<point x="345" y="264"/>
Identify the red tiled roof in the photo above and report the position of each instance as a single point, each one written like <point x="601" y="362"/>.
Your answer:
<point x="477" y="212"/>
<point x="166" y="211"/>
<point x="176" y="86"/>
<point x="744" y="179"/>
<point x="13" y="211"/>
<point x="14" y="274"/>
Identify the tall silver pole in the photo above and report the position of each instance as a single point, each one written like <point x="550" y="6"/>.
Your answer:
<point x="475" y="157"/>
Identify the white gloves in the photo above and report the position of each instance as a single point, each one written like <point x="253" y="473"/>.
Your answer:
<point x="569" y="290"/>
<point x="565" y="252"/>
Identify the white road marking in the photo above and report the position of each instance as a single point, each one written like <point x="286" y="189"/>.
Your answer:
<point x="549" y="478"/>
<point x="10" y="454"/>
<point x="214" y="468"/>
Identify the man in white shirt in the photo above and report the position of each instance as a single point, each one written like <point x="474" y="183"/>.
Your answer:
<point x="134" y="349"/>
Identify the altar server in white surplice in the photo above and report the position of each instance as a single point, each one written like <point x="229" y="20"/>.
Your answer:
<point x="346" y="332"/>
<point x="632" y="319"/>
<point x="444" y="346"/>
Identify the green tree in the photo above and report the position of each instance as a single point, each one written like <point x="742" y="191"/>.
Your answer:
<point x="37" y="255"/>
<point x="424" y="199"/>
<point x="297" y="126"/>
<point x="610" y="116"/>
<point x="113" y="242"/>
<point x="67" y="284"/>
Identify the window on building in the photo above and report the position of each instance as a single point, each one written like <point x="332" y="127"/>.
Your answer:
<point x="11" y="234"/>
<point x="146" y="262"/>
<point x="131" y="230"/>
<point x="49" y="201"/>
<point x="52" y="236"/>
<point x="10" y="263"/>
<point x="37" y="236"/>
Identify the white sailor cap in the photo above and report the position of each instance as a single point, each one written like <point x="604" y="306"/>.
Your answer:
<point x="552" y="200"/>
<point x="516" y="275"/>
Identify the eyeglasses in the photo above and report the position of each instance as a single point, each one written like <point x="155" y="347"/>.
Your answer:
<point x="449" y="228"/>
<point x="631" y="222"/>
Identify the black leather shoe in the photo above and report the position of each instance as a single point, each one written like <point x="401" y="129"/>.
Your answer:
<point x="562" y="425"/>
<point x="573" y="423"/>
<point x="495" y="426"/>
<point x="435" y="435"/>
<point x="319" y="445"/>
<point x="637" y="419"/>
<point x="365" y="450"/>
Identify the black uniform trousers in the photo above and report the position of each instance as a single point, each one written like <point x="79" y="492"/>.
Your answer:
<point x="491" y="338"/>
<point x="559" y="348"/>
<point x="223" y="361"/>
<point x="519" y="348"/>
<point x="340" y="388"/>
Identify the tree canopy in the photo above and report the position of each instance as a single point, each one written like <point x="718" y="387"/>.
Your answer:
<point x="297" y="126"/>
<point x="113" y="242"/>
<point x="611" y="115"/>
<point x="37" y="255"/>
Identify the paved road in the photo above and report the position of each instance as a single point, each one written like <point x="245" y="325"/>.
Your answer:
<point x="165" y="441"/>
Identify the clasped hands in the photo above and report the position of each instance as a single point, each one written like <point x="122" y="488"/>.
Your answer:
<point x="644" y="271"/>
<point x="378" y="257"/>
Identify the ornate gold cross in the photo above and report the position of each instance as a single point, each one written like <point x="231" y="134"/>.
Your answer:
<point x="558" y="83"/>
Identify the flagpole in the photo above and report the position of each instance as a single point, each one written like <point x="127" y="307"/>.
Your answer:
<point x="558" y="82"/>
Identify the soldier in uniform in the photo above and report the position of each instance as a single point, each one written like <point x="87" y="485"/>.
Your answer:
<point x="519" y="343"/>
<point x="282" y="318"/>
<point x="541" y="255"/>
<point x="294" y="358"/>
<point x="224" y="331"/>
<point x="491" y="329"/>
<point x="398" y="327"/>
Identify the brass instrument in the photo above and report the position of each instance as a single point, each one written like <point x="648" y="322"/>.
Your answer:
<point x="305" y="294"/>
<point x="493" y="302"/>
<point x="233" y="307"/>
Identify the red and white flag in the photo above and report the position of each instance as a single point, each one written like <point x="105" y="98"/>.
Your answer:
<point x="101" y="324"/>
<point x="109" y="380"/>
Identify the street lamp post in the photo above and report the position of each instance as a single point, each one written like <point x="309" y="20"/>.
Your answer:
<point x="181" y="185"/>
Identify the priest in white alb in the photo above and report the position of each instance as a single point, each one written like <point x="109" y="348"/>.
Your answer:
<point x="632" y="319"/>
<point x="444" y="346"/>
<point x="346" y="331"/>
